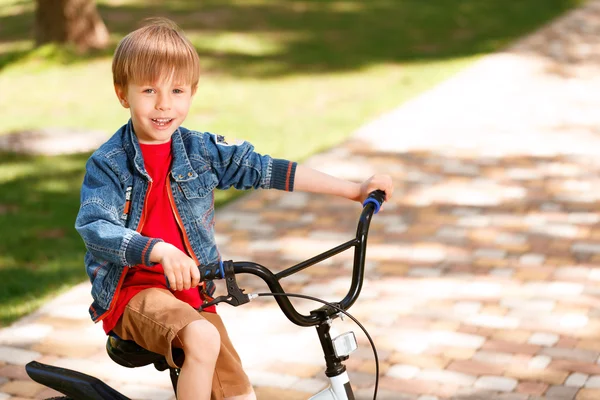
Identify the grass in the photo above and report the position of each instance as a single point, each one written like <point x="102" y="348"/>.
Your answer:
<point x="293" y="77"/>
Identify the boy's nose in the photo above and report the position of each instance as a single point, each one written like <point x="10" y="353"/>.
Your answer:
<point x="163" y="103"/>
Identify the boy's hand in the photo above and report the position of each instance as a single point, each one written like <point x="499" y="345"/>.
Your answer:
<point x="376" y="182"/>
<point x="180" y="270"/>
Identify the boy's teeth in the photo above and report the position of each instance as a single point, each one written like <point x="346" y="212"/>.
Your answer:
<point x="161" y="121"/>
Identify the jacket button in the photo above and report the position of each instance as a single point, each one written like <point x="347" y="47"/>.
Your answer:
<point x="190" y="174"/>
<point x="180" y="176"/>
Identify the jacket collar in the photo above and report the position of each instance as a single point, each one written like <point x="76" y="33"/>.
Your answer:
<point x="181" y="168"/>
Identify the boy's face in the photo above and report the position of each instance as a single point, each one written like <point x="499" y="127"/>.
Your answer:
<point x="157" y="109"/>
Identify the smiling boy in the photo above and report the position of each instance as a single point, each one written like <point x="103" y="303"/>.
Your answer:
<point x="147" y="212"/>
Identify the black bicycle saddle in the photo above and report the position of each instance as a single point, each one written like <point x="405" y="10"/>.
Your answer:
<point x="131" y="355"/>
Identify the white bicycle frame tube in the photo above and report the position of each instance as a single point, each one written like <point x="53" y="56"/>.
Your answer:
<point x="336" y="389"/>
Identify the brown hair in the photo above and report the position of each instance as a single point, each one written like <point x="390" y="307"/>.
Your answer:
<point x="158" y="49"/>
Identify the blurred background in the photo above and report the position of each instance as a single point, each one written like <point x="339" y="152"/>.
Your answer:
<point x="292" y="77"/>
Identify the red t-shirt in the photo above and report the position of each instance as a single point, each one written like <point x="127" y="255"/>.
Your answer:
<point x="160" y="223"/>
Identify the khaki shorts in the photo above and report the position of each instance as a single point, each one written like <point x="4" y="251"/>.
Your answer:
<point x="152" y="319"/>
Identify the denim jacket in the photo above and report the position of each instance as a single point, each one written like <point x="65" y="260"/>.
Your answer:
<point x="115" y="186"/>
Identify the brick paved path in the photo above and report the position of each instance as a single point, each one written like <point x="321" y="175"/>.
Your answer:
<point x="484" y="274"/>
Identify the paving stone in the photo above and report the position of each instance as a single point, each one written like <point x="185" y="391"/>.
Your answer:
<point x="513" y="335"/>
<point x="549" y="376"/>
<point x="17" y="356"/>
<point x="532" y="388"/>
<point x="456" y="339"/>
<point x="543" y="339"/>
<point x="593" y="382"/>
<point x="298" y="369"/>
<point x="570" y="354"/>
<point x="474" y="367"/>
<point x="262" y="378"/>
<point x="593" y="345"/>
<point x="588" y="394"/>
<point x="493" y="357"/>
<point x="22" y="388"/>
<point x="537" y="305"/>
<point x="576" y="380"/>
<point x="403" y="371"/>
<point x="561" y="392"/>
<point x="497" y="383"/>
<point x="575" y="366"/>
<point x="532" y="259"/>
<point x="586" y="247"/>
<point x="420" y="360"/>
<point x="446" y="377"/>
<point x="310" y="385"/>
<point x="24" y="335"/>
<point x="510" y="347"/>
<point x="14" y="372"/>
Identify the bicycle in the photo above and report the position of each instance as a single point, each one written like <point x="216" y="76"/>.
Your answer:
<point x="79" y="386"/>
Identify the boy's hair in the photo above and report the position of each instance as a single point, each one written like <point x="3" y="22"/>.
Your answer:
<point x="157" y="50"/>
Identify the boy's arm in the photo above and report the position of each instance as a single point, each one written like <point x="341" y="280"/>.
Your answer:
<point x="238" y="165"/>
<point x="99" y="219"/>
<point x="311" y="180"/>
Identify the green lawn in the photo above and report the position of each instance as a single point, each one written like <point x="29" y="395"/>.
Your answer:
<point x="293" y="77"/>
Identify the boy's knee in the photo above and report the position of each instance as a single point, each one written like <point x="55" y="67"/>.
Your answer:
<point x="200" y="340"/>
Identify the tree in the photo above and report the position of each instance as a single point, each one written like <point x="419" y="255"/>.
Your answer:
<point x="74" y="22"/>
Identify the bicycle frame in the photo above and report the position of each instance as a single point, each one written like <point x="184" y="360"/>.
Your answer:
<point x="80" y="386"/>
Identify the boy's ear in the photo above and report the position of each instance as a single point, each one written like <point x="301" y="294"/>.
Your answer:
<point x="122" y="95"/>
<point x="194" y="88"/>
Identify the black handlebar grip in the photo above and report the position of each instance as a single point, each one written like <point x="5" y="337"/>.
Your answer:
<point x="211" y="271"/>
<point x="377" y="197"/>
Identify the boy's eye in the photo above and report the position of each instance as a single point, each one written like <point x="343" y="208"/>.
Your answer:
<point x="177" y="91"/>
<point x="148" y="90"/>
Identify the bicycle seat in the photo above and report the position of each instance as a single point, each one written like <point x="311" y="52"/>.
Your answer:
<point x="129" y="354"/>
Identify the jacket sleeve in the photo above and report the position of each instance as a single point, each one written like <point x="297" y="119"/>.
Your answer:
<point x="99" y="219"/>
<point x="240" y="166"/>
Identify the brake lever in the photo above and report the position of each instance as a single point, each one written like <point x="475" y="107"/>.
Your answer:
<point x="235" y="296"/>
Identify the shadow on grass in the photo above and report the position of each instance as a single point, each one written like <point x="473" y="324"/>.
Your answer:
<point x="321" y="36"/>
<point x="40" y="251"/>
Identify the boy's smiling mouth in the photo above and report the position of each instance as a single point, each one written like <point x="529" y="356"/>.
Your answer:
<point x="161" y="122"/>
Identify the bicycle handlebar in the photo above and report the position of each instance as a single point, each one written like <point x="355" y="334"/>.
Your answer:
<point x="236" y="296"/>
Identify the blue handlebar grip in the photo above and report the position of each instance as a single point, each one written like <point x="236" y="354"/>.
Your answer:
<point x="222" y="269"/>
<point x="375" y="202"/>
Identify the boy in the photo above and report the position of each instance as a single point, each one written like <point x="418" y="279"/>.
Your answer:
<point x="147" y="213"/>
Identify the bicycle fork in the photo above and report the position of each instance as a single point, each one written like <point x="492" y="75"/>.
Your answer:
<point x="336" y="351"/>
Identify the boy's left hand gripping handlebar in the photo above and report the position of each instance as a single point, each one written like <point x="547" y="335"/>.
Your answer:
<point x="376" y="197"/>
<point x="211" y="271"/>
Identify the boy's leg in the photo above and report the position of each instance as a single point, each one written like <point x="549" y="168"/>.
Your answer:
<point x="158" y="321"/>
<point x="201" y="344"/>
<point x="230" y="382"/>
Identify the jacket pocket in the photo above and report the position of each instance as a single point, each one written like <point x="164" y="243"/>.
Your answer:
<point x="200" y="187"/>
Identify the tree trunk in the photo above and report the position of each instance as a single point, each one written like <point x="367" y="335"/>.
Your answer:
<point x="74" y="22"/>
